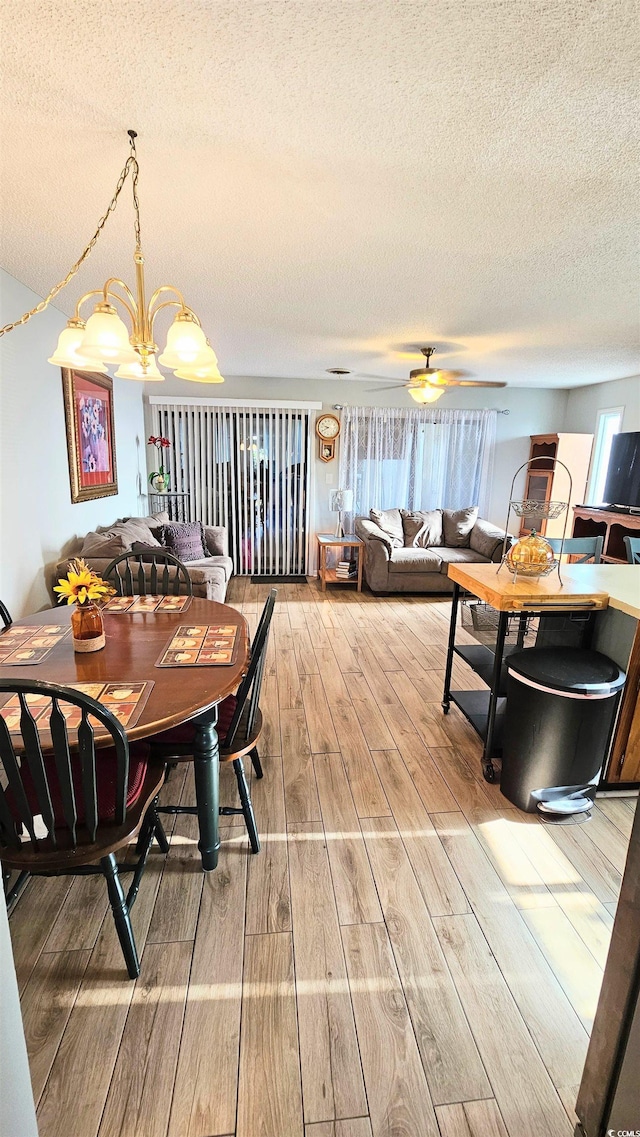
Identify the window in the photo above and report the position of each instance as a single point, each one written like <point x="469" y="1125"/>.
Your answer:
<point x="608" y="423"/>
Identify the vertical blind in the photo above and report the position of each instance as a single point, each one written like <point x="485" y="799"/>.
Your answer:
<point x="246" y="468"/>
<point x="416" y="459"/>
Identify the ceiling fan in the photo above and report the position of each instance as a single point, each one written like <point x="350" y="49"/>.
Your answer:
<point x="427" y="384"/>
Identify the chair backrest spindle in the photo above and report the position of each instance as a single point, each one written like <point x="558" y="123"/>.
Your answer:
<point x="120" y="574"/>
<point x="39" y="780"/>
<point x="252" y="682"/>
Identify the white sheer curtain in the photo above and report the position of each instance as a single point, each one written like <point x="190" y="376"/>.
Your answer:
<point x="416" y="459"/>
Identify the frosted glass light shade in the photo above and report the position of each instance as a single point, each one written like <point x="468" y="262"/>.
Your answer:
<point x="106" y="337"/>
<point x="68" y="355"/>
<point x="136" y="371"/>
<point x="208" y="374"/>
<point x="185" y="343"/>
<point x="426" y="394"/>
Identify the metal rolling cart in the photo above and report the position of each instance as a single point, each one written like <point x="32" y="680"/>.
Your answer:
<point x="484" y="710"/>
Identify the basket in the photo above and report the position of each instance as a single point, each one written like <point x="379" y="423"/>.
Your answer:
<point x="539" y="508"/>
<point x="482" y="620"/>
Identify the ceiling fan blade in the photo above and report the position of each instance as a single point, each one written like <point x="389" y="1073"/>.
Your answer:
<point x="473" y="383"/>
<point x="437" y="375"/>
<point x="378" y="378"/>
<point x="395" y="387"/>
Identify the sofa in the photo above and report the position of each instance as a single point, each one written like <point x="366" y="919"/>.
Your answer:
<point x="411" y="550"/>
<point x="209" y="575"/>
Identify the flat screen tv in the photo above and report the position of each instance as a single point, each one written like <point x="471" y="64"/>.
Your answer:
<point x="622" y="486"/>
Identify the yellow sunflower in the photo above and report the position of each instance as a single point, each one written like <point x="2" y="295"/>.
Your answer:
<point x="82" y="584"/>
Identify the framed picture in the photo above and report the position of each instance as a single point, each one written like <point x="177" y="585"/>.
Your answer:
<point x="88" y="412"/>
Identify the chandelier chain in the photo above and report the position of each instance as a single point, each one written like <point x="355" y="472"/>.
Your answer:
<point x="133" y="158"/>
<point x="131" y="163"/>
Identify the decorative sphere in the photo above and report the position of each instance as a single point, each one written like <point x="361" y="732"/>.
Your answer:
<point x="531" y="556"/>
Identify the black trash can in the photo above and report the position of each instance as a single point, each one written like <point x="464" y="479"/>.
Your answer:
<point x="561" y="706"/>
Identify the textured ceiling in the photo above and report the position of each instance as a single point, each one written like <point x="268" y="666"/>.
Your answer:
<point x="330" y="181"/>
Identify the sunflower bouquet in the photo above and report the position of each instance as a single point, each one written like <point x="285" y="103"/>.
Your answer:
<point x="82" y="585"/>
<point x="88" y="591"/>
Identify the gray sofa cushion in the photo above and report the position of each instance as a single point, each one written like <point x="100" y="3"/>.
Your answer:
<point x="459" y="557"/>
<point x="487" y="539"/>
<point x="390" y="521"/>
<point x="415" y="560"/>
<point x="368" y="530"/>
<point x="457" y="525"/>
<point x="216" y="540"/>
<point x="205" y="563"/>
<point x="422" y="528"/>
<point x="116" y="540"/>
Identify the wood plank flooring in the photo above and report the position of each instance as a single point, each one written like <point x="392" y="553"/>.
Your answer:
<point x="408" y="956"/>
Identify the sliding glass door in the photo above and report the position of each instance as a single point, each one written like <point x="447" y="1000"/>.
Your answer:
<point x="247" y="469"/>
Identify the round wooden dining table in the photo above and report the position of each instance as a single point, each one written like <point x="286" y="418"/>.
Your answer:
<point x="134" y="643"/>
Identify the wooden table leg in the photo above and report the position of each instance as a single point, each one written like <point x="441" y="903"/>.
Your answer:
<point x="323" y="567"/>
<point x="360" y="567"/>
<point x="206" y="773"/>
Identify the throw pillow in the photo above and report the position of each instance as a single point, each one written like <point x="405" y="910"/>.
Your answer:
<point x="457" y="525"/>
<point x="145" y="547"/>
<point x="152" y="520"/>
<point x="390" y="521"/>
<point x="105" y="545"/>
<point x="186" y="540"/>
<point x="422" y="528"/>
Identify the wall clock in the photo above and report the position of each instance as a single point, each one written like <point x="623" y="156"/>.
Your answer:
<point x="327" y="430"/>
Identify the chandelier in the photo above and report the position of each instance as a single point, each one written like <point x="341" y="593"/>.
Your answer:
<point x="105" y="340"/>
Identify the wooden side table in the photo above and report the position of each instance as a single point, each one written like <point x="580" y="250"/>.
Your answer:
<point x="328" y="574"/>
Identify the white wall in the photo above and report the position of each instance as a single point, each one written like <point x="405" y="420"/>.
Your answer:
<point x="583" y="404"/>
<point x="531" y="411"/>
<point x="37" y="517"/>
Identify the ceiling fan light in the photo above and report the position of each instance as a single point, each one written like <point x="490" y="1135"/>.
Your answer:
<point x="426" y="394"/>
<point x="106" y="337"/>
<point x="185" y="342"/>
<point x="137" y="371"/>
<point x="67" y="353"/>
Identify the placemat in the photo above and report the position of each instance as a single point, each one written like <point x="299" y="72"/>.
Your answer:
<point x="22" y="644"/>
<point x="131" y="604"/>
<point x="200" y="645"/>
<point x="125" y="700"/>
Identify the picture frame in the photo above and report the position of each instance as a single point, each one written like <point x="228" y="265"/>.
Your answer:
<point x="90" y="425"/>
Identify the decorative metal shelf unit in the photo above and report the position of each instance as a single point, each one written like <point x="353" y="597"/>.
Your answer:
<point x="524" y="507"/>
<point x="175" y="504"/>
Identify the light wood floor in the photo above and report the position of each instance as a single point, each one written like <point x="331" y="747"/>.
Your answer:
<point x="407" y="956"/>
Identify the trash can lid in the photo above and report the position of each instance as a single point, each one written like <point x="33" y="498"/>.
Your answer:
<point x="568" y="669"/>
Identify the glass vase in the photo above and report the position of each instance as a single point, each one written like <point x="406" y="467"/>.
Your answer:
<point x="87" y="628"/>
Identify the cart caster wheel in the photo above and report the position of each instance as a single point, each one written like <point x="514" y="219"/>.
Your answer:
<point x="445" y="708"/>
<point x="489" y="773"/>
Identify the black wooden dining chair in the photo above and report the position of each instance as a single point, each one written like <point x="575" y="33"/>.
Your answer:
<point x="239" y="728"/>
<point x="67" y="807"/>
<point x="5" y="615"/>
<point x="150" y="572"/>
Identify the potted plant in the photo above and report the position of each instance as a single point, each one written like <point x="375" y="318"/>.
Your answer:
<point x="88" y="591"/>
<point x="159" y="478"/>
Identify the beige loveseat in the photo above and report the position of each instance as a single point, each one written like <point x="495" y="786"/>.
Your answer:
<point x="209" y="575"/>
<point x="410" y="551"/>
